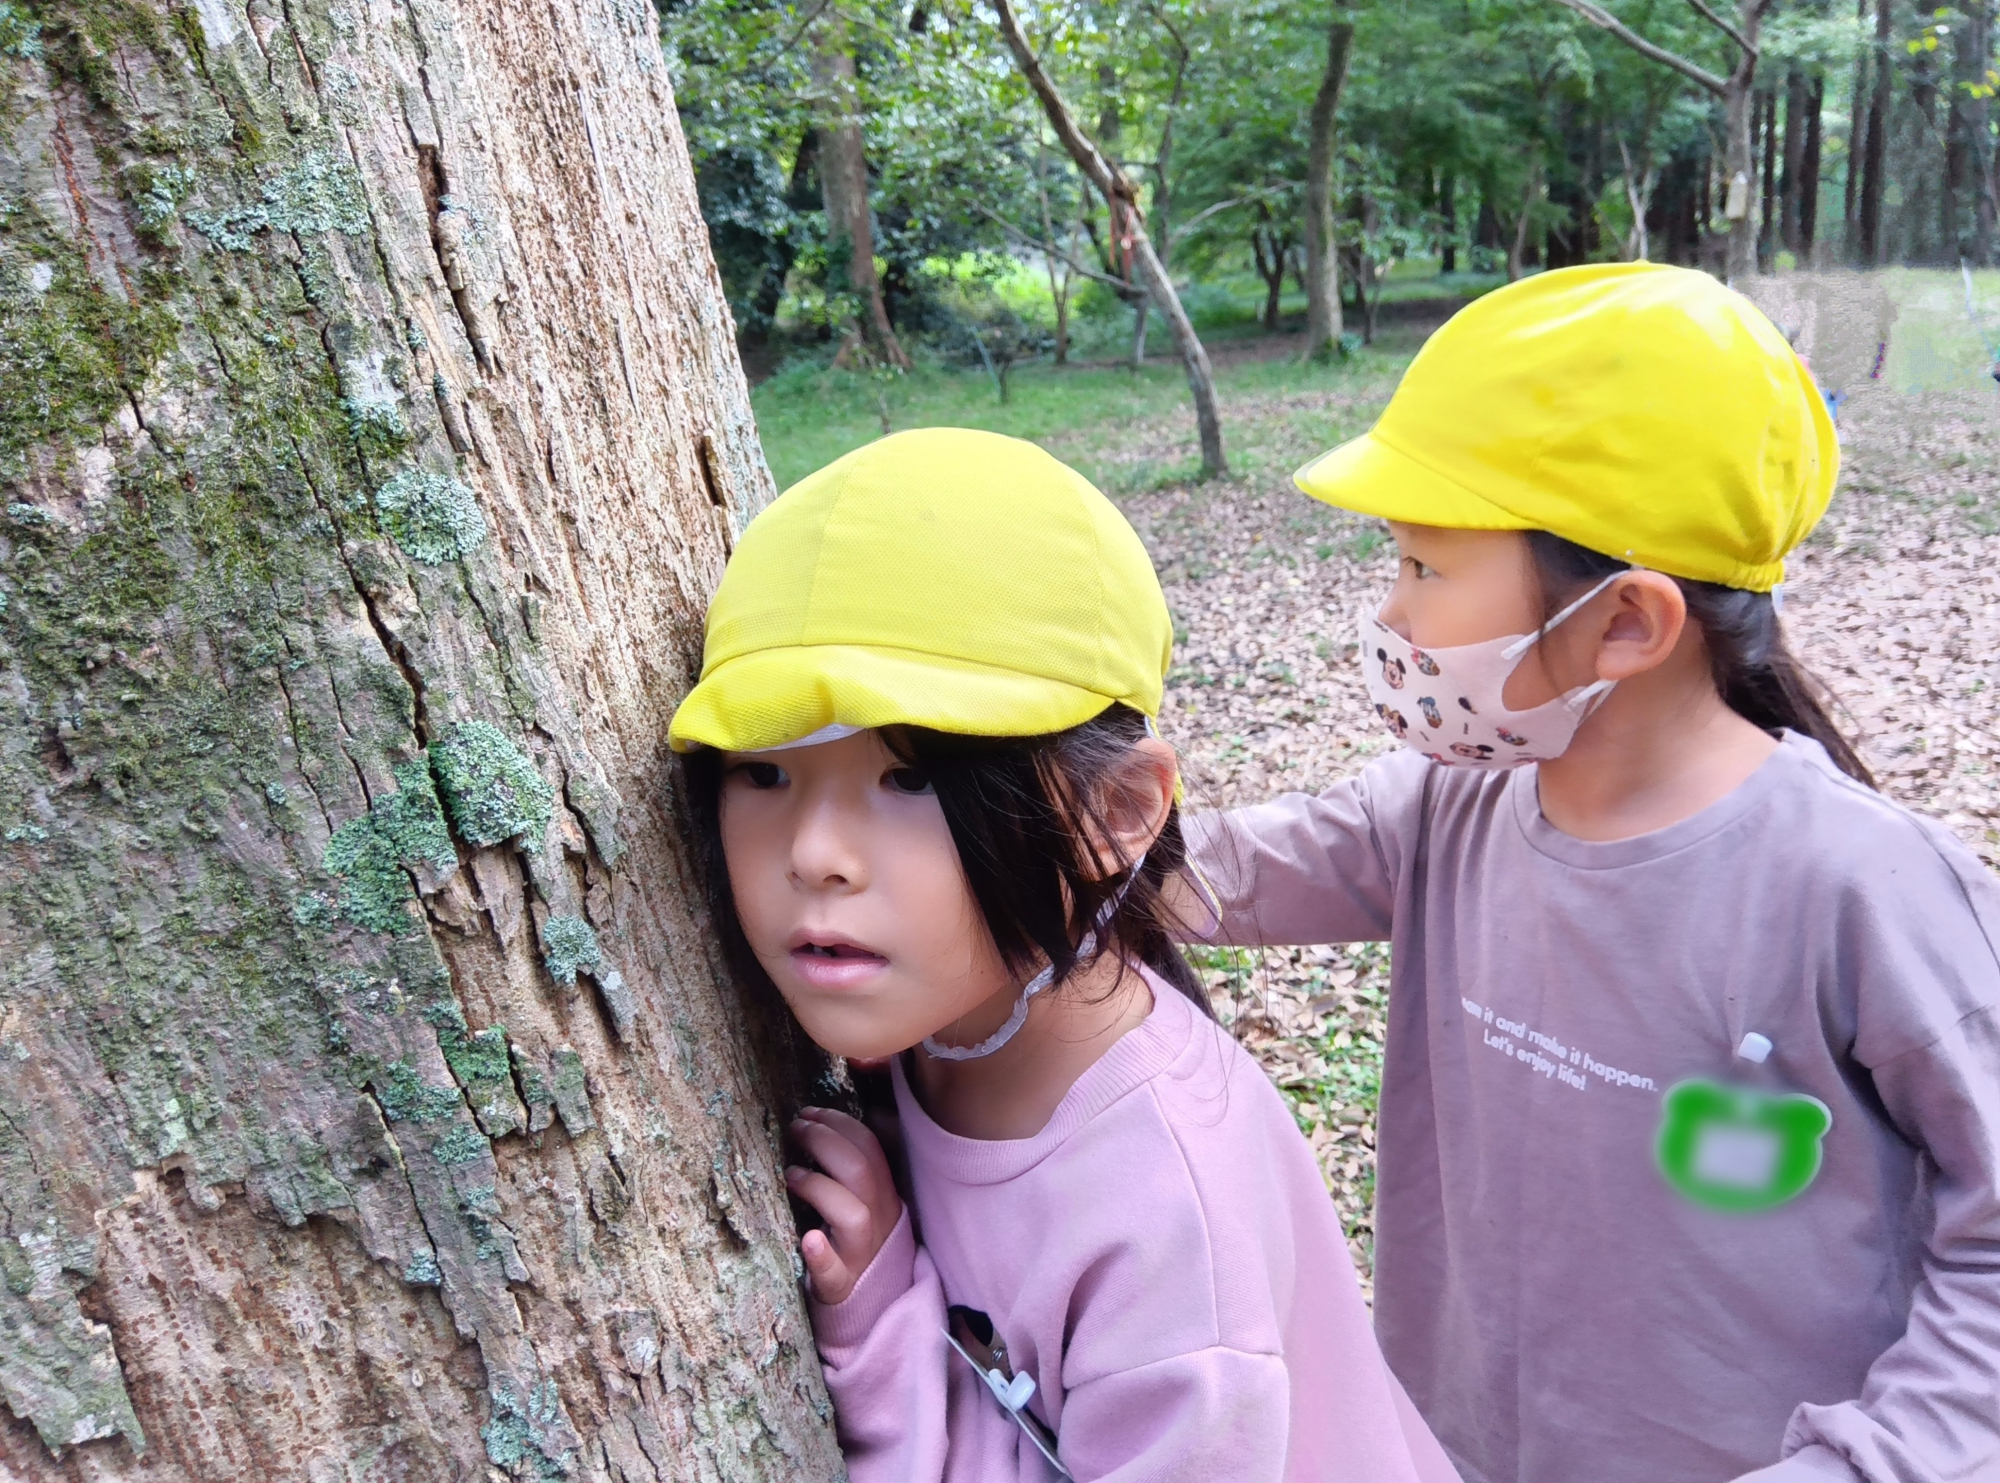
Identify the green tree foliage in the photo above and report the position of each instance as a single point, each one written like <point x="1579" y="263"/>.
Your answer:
<point x="1493" y="134"/>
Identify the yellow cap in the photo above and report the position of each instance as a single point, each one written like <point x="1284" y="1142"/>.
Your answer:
<point x="1645" y="412"/>
<point x="945" y="578"/>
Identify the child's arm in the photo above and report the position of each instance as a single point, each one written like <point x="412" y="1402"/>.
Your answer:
<point x="1919" y="949"/>
<point x="878" y="1310"/>
<point x="1304" y="869"/>
<point x="1929" y="1409"/>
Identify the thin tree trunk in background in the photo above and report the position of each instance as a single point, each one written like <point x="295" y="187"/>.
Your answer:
<point x="1517" y="249"/>
<point x="1809" y="161"/>
<point x="1979" y="119"/>
<point x="1875" y="159"/>
<point x="1270" y="267"/>
<point x="1141" y="315"/>
<point x="1792" y="181"/>
<point x="843" y="176"/>
<point x="1857" y="144"/>
<point x="1767" y="217"/>
<point x="374" y="1104"/>
<point x="1639" y="183"/>
<point x="1921" y="213"/>
<point x="1127" y="221"/>
<point x="1448" y="209"/>
<point x="1323" y="326"/>
<point x="1968" y="140"/>
<point x="1163" y="156"/>
<point x="1059" y="283"/>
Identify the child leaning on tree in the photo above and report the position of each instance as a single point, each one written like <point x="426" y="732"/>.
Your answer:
<point x="922" y="753"/>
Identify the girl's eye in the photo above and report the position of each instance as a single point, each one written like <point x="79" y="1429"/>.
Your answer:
<point x="1416" y="568"/>
<point x="760" y="774"/>
<point x="908" y="780"/>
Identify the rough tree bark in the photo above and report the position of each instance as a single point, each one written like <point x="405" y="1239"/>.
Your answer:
<point x="372" y="1101"/>
<point x="843" y="178"/>
<point x="1127" y="227"/>
<point x="1323" y="326"/>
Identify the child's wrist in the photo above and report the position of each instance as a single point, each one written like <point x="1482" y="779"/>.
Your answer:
<point x="890" y="1273"/>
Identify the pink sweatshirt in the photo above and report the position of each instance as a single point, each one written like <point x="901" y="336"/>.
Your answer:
<point x="1162" y="1259"/>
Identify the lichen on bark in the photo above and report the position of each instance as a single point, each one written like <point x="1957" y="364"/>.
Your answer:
<point x="288" y="767"/>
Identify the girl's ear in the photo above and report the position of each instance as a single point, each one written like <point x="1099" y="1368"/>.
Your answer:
<point x="1134" y="806"/>
<point x="1644" y="627"/>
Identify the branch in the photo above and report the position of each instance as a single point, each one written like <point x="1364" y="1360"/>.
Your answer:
<point x="1124" y="286"/>
<point x="804" y="26"/>
<point x="1604" y="20"/>
<point x="1701" y="9"/>
<point x="1201" y="216"/>
<point x="1103" y="174"/>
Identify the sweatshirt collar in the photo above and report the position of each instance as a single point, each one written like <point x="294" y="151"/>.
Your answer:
<point x="1137" y="1056"/>
<point x="1793" y="753"/>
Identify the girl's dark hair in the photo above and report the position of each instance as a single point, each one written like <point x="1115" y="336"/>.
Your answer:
<point x="1022" y="812"/>
<point x="1755" y="671"/>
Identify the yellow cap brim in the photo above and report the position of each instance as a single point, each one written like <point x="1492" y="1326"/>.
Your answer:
<point x="772" y="696"/>
<point x="1371" y="477"/>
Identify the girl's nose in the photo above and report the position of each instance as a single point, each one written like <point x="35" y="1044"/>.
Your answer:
<point x="825" y="853"/>
<point x="1393" y="615"/>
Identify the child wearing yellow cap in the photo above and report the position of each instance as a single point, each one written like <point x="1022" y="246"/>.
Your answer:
<point x="939" y="822"/>
<point x="1690" y="1114"/>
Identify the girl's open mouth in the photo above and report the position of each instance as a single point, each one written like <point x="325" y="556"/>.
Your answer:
<point x="834" y="963"/>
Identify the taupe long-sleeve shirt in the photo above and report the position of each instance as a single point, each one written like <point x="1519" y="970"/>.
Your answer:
<point x="1556" y="1310"/>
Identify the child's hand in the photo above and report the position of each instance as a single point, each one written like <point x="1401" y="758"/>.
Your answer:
<point x="856" y="1197"/>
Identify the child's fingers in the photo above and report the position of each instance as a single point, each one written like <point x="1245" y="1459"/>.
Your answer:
<point x="831" y="1281"/>
<point x="837" y="1155"/>
<point x="857" y="1133"/>
<point x="846" y="1216"/>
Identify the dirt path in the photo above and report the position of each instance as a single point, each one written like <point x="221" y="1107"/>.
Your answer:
<point x="1895" y="601"/>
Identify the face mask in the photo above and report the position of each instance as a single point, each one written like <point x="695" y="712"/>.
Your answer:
<point x="1084" y="951"/>
<point x="1446" y="702"/>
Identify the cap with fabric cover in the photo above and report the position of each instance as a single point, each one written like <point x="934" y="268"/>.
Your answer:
<point x="945" y="578"/>
<point x="1646" y="412"/>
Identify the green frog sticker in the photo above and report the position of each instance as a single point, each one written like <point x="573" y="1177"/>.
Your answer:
<point x="1740" y="1148"/>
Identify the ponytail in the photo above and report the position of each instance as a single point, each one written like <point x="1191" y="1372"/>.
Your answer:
<point x="1755" y="671"/>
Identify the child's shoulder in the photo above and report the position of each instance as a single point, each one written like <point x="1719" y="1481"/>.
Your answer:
<point x="1835" y="830"/>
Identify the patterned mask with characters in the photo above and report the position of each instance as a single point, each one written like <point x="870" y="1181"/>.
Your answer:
<point x="1446" y="703"/>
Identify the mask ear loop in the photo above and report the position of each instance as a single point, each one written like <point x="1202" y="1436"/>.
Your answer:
<point x="1035" y="985"/>
<point x="1527" y="641"/>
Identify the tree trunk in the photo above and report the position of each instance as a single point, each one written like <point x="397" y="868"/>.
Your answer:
<point x="1323" y="326"/>
<point x="1127" y="224"/>
<point x="1857" y="143"/>
<point x="1874" y="160"/>
<point x="1740" y="111"/>
<point x="1809" y="157"/>
<point x="1791" y="181"/>
<point x="1448" y="211"/>
<point x="1767" y="216"/>
<point x="1517" y="248"/>
<point x="373" y="1102"/>
<point x="1968" y="139"/>
<point x="843" y="176"/>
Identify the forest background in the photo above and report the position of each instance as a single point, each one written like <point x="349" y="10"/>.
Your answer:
<point x="1463" y="142"/>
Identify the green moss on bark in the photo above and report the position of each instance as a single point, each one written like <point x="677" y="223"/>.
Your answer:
<point x="568" y="947"/>
<point x="375" y="853"/>
<point x="433" y="517"/>
<point x="491" y="787"/>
